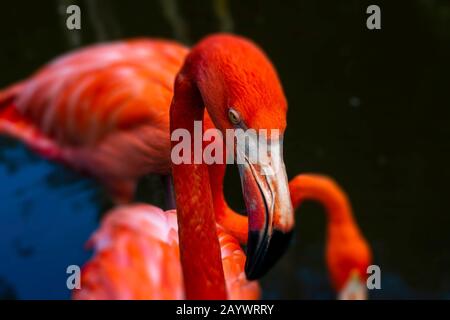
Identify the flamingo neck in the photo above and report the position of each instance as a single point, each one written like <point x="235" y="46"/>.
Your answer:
<point x="235" y="223"/>
<point x="199" y="246"/>
<point x="325" y="191"/>
<point x="347" y="250"/>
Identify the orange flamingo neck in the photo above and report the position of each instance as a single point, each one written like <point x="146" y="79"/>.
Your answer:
<point x="235" y="223"/>
<point x="199" y="246"/>
<point x="347" y="251"/>
<point x="325" y="191"/>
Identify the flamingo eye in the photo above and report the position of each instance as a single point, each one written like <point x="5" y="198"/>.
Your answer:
<point x="234" y="117"/>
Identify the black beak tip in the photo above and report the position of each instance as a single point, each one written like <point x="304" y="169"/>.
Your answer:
<point x="260" y="259"/>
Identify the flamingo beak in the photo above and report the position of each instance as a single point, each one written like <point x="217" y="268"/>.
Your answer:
<point x="269" y="208"/>
<point x="354" y="289"/>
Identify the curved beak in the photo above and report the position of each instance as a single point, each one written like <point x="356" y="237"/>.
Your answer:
<point x="268" y="203"/>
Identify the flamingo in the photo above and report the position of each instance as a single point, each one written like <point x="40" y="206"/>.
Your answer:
<point x="102" y="110"/>
<point x="137" y="257"/>
<point x="105" y="110"/>
<point x="236" y="83"/>
<point x="347" y="253"/>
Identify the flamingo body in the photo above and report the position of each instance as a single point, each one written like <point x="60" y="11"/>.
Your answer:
<point x="137" y="257"/>
<point x="103" y="110"/>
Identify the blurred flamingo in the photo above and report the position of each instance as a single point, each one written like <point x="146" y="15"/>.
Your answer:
<point x="137" y="256"/>
<point x="103" y="110"/>
<point x="347" y="254"/>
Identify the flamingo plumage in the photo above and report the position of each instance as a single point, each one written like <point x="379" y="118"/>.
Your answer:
<point x="103" y="110"/>
<point x="136" y="256"/>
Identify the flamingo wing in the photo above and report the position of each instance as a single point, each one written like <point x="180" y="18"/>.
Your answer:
<point x="137" y="257"/>
<point x="233" y="261"/>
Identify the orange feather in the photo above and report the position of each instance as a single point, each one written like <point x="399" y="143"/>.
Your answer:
<point x="136" y="256"/>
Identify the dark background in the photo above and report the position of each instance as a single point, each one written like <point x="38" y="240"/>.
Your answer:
<point x="366" y="107"/>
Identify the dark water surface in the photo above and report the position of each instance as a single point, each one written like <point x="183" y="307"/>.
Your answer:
<point x="366" y="107"/>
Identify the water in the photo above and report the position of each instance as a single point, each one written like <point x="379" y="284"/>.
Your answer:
<point x="46" y="217"/>
<point x="366" y="107"/>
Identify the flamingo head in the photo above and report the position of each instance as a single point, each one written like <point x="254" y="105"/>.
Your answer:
<point x="243" y="95"/>
<point x="348" y="259"/>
